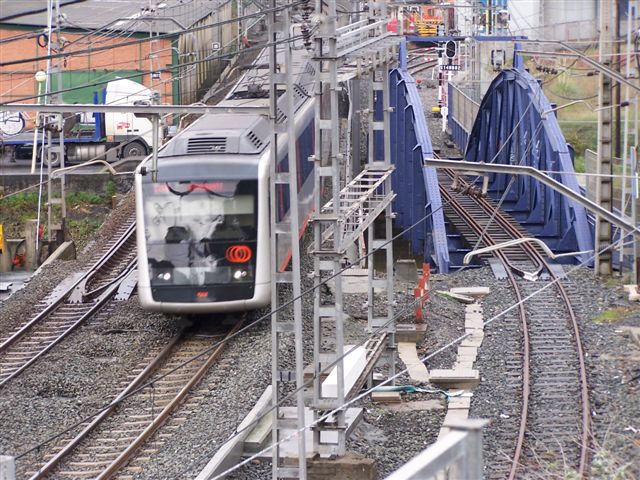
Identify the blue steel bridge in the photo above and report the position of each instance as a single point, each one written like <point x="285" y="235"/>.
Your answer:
<point x="505" y="126"/>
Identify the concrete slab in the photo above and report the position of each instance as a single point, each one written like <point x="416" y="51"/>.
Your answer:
<point x="471" y="342"/>
<point x="468" y="351"/>
<point x="354" y="364"/>
<point x="386" y="397"/>
<point x="409" y="355"/>
<point x="416" y="406"/>
<point x="229" y="453"/>
<point x="457" y="414"/>
<point x="461" y="378"/>
<point x="410" y="332"/>
<point x="463" y="364"/>
<point x="259" y="436"/>
<point x="459" y="402"/>
<point x="475" y="292"/>
<point x="351" y="466"/>
<point x="289" y="448"/>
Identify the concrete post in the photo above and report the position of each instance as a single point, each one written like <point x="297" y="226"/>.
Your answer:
<point x="603" y="187"/>
<point x="7" y="468"/>
<point x="31" y="250"/>
<point x="5" y="256"/>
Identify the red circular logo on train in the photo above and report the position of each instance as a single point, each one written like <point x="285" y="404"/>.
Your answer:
<point x="238" y="254"/>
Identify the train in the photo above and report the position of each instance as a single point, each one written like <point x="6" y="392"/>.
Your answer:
<point x="203" y="227"/>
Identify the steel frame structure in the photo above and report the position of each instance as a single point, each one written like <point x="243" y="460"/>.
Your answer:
<point x="284" y="231"/>
<point x="513" y="128"/>
<point x="343" y="54"/>
<point x="410" y="144"/>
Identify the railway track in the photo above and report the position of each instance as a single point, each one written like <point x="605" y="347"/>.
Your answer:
<point x="545" y="363"/>
<point x="115" y="443"/>
<point x="82" y="297"/>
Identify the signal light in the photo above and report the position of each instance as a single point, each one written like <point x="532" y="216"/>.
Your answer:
<point x="450" y="49"/>
<point x="238" y="254"/>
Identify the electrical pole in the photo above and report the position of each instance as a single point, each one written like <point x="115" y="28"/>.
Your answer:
<point x="603" y="264"/>
<point x="54" y="152"/>
<point x="284" y="232"/>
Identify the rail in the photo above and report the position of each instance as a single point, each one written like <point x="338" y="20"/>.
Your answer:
<point x="534" y="356"/>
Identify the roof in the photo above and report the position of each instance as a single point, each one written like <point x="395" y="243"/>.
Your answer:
<point x="113" y="15"/>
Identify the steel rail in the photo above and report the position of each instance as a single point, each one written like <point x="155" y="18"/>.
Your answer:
<point x="160" y="419"/>
<point x="141" y="377"/>
<point x="539" y="259"/>
<point x="65" y="295"/>
<point x="526" y="358"/>
<point x="93" y="310"/>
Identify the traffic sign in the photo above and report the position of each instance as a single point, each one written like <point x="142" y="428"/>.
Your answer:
<point x="450" y="68"/>
<point x="11" y="123"/>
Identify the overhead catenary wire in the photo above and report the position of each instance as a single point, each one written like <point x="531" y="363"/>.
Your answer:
<point x="247" y="327"/>
<point x="165" y="69"/>
<point x="333" y="276"/>
<point x="157" y="37"/>
<point x="367" y="392"/>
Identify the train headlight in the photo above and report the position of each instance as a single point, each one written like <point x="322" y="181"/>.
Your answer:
<point x="166" y="276"/>
<point x="239" y="274"/>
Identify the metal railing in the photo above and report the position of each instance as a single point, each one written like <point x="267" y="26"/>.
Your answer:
<point x="457" y="455"/>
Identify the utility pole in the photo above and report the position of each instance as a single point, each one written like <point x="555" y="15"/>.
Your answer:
<point x="56" y="231"/>
<point x="284" y="232"/>
<point x="603" y="263"/>
<point x="353" y="207"/>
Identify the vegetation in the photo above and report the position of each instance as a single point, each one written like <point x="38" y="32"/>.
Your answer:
<point x="85" y="212"/>
<point x="612" y="315"/>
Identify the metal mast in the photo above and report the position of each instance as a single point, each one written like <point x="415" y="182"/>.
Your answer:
<point x="284" y="232"/>
<point x="604" y="168"/>
<point x="55" y="231"/>
<point x="342" y="54"/>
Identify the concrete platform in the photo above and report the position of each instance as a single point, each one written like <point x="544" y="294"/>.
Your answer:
<point x="352" y="466"/>
<point x="354" y="280"/>
<point x="410" y="332"/>
<point x="289" y="448"/>
<point x="11" y="282"/>
<point x="460" y="378"/>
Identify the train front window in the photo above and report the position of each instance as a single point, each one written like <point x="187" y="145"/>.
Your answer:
<point x="201" y="232"/>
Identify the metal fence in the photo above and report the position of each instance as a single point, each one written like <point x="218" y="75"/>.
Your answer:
<point x="464" y="103"/>
<point x="457" y="455"/>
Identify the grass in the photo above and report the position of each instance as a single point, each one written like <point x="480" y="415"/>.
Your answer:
<point x="613" y="315"/>
<point x="85" y="210"/>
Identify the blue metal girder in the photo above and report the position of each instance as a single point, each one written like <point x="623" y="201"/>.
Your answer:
<point x="416" y="186"/>
<point x="510" y="129"/>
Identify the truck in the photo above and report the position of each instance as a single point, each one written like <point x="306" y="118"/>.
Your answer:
<point x="89" y="135"/>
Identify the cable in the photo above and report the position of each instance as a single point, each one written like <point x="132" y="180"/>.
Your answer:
<point x="402" y="372"/>
<point x="167" y="69"/>
<point x="157" y="37"/>
<point x="37" y="10"/>
<point x="217" y="344"/>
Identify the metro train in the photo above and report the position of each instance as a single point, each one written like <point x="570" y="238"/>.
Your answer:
<point x="203" y="226"/>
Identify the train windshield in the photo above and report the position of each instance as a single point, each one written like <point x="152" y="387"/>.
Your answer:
<point x="201" y="233"/>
